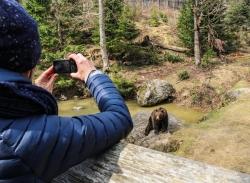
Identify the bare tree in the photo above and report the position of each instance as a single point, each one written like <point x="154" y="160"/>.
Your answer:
<point x="197" y="22"/>
<point x="56" y="10"/>
<point x="210" y="10"/>
<point x="159" y="4"/>
<point x="103" y="36"/>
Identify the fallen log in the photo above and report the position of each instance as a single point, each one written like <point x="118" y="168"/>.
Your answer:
<point x="148" y="42"/>
<point x="130" y="163"/>
<point x="171" y="48"/>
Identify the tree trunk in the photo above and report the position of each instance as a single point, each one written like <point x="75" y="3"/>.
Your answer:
<point x="56" y="10"/>
<point x="59" y="32"/>
<point x="103" y="36"/>
<point x="197" y="47"/>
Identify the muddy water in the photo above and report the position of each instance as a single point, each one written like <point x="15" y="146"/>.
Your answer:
<point x="88" y="106"/>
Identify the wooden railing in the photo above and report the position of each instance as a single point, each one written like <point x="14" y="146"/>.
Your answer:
<point x="127" y="163"/>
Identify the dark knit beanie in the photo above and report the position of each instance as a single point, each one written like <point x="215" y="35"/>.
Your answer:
<point x="20" y="47"/>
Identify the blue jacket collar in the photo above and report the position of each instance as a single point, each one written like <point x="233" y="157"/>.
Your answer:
<point x="30" y="99"/>
<point x="10" y="76"/>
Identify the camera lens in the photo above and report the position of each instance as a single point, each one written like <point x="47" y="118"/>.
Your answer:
<point x="59" y="68"/>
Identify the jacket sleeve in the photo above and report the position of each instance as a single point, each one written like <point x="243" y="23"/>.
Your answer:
<point x="51" y="144"/>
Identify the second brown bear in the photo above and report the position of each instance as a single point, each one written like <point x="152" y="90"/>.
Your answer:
<point x="158" y="121"/>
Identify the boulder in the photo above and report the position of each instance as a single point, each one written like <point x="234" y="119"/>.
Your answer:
<point x="160" y="142"/>
<point x="154" y="92"/>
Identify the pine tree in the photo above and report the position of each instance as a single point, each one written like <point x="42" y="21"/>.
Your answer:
<point x="119" y="26"/>
<point x="61" y="24"/>
<point x="202" y="27"/>
<point x="186" y="25"/>
<point x="238" y="16"/>
<point x="39" y="10"/>
<point x="238" y="23"/>
<point x="126" y="26"/>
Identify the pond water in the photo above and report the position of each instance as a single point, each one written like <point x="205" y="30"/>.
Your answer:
<point x="88" y="106"/>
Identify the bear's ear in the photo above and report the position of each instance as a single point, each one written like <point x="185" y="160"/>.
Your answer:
<point x="162" y="109"/>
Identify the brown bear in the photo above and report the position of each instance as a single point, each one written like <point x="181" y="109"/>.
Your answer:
<point x="158" y="121"/>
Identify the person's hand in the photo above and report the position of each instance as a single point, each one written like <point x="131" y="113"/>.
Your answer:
<point x="84" y="67"/>
<point x="47" y="79"/>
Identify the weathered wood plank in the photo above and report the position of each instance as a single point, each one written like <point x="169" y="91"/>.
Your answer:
<point x="131" y="163"/>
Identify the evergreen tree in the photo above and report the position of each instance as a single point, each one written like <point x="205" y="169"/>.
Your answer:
<point x="204" y="19"/>
<point x="238" y="22"/>
<point x="61" y="24"/>
<point x="119" y="26"/>
<point x="126" y="26"/>
<point x="238" y="16"/>
<point x="39" y="11"/>
<point x="186" y="25"/>
<point x="113" y="11"/>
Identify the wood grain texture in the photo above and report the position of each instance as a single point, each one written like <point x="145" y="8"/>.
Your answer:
<point x="130" y="163"/>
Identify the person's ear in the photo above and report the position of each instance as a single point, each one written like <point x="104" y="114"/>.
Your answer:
<point x="25" y="74"/>
<point x="31" y="72"/>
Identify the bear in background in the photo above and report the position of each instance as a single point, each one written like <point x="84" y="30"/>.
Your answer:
<point x="158" y="121"/>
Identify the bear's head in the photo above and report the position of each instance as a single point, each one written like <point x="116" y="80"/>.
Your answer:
<point x="160" y="114"/>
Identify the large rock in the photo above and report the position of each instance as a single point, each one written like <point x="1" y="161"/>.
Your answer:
<point x="154" y="92"/>
<point x="160" y="142"/>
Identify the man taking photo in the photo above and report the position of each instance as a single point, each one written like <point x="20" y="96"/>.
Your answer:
<point x="36" y="144"/>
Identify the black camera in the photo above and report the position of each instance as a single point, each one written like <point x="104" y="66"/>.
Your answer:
<point x="65" y="66"/>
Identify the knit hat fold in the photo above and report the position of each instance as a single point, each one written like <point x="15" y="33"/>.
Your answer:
<point x="20" y="47"/>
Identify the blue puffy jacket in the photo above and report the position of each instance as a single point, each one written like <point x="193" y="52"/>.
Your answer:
<point x="38" y="148"/>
